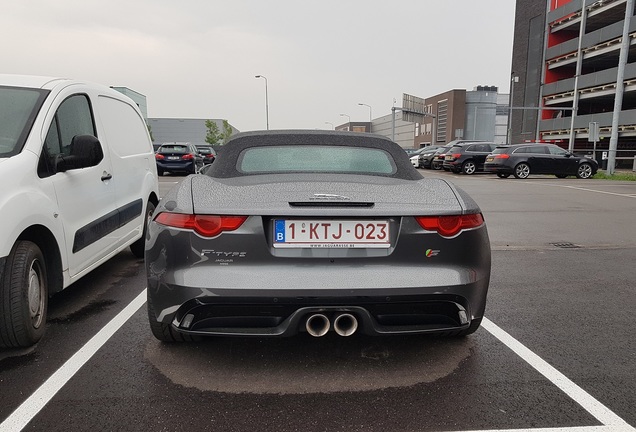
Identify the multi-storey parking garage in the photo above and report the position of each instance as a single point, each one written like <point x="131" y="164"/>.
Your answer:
<point x="576" y="83"/>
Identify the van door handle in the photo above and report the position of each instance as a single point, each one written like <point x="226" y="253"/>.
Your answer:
<point x="106" y="176"/>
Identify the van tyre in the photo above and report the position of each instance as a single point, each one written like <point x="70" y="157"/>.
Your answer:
<point x="138" y="247"/>
<point x="24" y="296"/>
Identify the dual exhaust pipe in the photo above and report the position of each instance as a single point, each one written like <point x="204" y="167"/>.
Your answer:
<point x="344" y="324"/>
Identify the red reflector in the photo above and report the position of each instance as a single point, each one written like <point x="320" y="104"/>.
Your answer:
<point x="450" y="226"/>
<point x="204" y="225"/>
<point x="159" y="157"/>
<point x="502" y="156"/>
<point x="188" y="156"/>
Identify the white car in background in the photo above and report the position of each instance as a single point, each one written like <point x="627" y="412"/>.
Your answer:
<point x="78" y="185"/>
<point x="415" y="157"/>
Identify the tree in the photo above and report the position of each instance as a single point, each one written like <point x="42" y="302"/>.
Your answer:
<point x="216" y="137"/>
<point x="227" y="131"/>
<point x="213" y="136"/>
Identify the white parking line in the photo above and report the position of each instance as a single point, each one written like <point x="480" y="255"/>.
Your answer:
<point x="576" y="393"/>
<point x="30" y="407"/>
<point x="589" y="190"/>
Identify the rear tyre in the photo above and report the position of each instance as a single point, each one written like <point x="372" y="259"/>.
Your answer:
<point x="159" y="172"/>
<point x="165" y="332"/>
<point x="469" y="167"/>
<point x="560" y="175"/>
<point x="522" y="170"/>
<point x="23" y="296"/>
<point x="584" y="171"/>
<point x="138" y="247"/>
<point x="503" y="175"/>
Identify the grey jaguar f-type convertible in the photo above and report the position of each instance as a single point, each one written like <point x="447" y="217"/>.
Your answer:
<point x="315" y="231"/>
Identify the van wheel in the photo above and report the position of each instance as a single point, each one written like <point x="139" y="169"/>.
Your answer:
<point x="24" y="296"/>
<point x="138" y="247"/>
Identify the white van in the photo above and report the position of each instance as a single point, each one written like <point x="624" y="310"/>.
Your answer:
<point x="78" y="183"/>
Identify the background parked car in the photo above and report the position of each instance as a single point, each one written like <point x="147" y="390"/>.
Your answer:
<point x="468" y="157"/>
<point x="208" y="153"/>
<point x="426" y="156"/>
<point x="178" y="157"/>
<point x="437" y="161"/>
<point x="414" y="157"/>
<point x="523" y="159"/>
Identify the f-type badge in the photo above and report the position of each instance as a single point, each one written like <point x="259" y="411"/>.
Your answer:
<point x="329" y="197"/>
<point x="431" y="253"/>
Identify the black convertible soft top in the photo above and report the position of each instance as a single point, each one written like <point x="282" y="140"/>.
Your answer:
<point x="225" y="165"/>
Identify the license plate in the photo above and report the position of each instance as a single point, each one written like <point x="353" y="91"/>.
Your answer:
<point x="490" y="159"/>
<point x="304" y="233"/>
<point x="173" y="158"/>
<point x="449" y="158"/>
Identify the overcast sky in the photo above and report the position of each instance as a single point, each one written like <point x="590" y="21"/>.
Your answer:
<point x="199" y="58"/>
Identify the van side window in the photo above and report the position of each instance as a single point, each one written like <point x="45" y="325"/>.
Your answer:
<point x="73" y="117"/>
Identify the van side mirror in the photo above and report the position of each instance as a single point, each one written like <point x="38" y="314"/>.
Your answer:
<point x="86" y="151"/>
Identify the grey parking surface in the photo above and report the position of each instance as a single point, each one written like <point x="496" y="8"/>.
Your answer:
<point x="562" y="285"/>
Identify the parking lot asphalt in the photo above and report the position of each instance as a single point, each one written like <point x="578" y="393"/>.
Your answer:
<point x="556" y="351"/>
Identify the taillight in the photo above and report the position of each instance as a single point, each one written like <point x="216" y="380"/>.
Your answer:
<point x="204" y="225"/>
<point x="159" y="157"/>
<point x="450" y="226"/>
<point x="188" y="156"/>
<point x="456" y="155"/>
<point x="502" y="156"/>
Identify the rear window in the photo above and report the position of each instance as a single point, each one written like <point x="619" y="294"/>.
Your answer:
<point x="455" y="149"/>
<point x="205" y="150"/>
<point x="315" y="159"/>
<point x="174" y="149"/>
<point x="531" y="150"/>
<point x="500" y="150"/>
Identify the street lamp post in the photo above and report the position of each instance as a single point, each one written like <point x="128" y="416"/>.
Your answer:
<point x="331" y="124"/>
<point x="349" y="120"/>
<point x="513" y="79"/>
<point x="266" y="100"/>
<point x="370" y="115"/>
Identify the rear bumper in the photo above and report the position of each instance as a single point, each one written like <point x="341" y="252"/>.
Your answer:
<point x="284" y="312"/>
<point x="498" y="169"/>
<point x="180" y="166"/>
<point x="287" y="316"/>
<point x="453" y="166"/>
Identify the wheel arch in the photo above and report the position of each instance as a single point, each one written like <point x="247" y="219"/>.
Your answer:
<point x="45" y="240"/>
